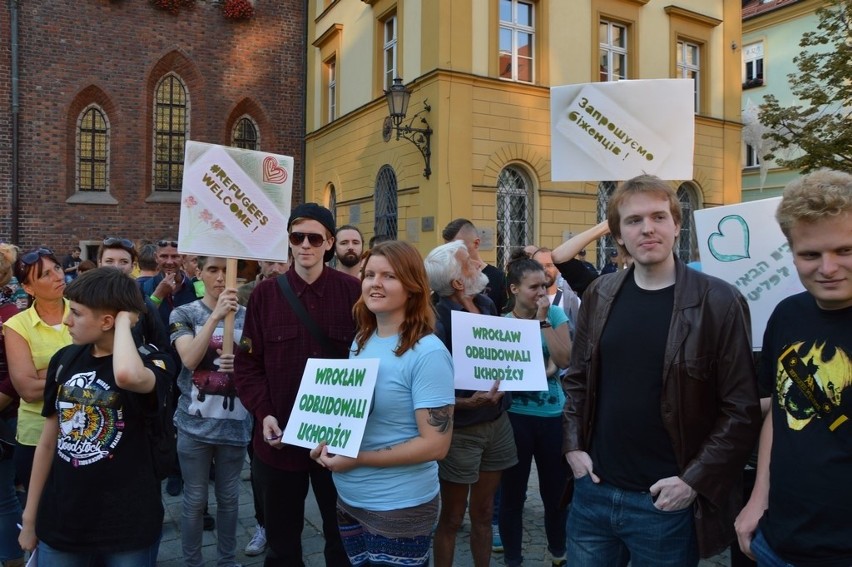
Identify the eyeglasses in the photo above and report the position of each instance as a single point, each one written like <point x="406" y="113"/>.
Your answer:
<point x="167" y="244"/>
<point x="315" y="240"/>
<point x="32" y="257"/>
<point x="123" y="242"/>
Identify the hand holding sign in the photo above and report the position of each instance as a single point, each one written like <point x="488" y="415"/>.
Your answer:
<point x="332" y="405"/>
<point x="479" y="399"/>
<point x="488" y="349"/>
<point x="330" y="461"/>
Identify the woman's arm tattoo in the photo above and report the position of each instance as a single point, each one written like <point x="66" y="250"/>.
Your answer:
<point x="441" y="418"/>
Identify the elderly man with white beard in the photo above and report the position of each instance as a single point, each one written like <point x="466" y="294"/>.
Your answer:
<point x="483" y="445"/>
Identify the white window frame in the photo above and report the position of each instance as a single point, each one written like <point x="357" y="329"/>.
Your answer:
<point x="514" y="183"/>
<point x="753" y="58"/>
<point x="516" y="28"/>
<point x="611" y="50"/>
<point x="331" y="70"/>
<point x="684" y="68"/>
<point x="389" y="51"/>
<point x="751" y="158"/>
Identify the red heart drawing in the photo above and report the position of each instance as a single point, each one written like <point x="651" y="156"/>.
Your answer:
<point x="272" y="172"/>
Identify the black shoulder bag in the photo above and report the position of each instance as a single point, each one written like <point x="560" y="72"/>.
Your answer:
<point x="300" y="311"/>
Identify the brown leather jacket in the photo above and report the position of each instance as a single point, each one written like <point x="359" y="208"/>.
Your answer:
<point x="710" y="405"/>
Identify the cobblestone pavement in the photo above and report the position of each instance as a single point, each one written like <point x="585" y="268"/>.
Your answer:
<point x="535" y="551"/>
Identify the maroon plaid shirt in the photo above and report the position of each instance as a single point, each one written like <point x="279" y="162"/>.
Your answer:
<point x="276" y="346"/>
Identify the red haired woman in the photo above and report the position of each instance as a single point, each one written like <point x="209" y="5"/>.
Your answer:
<point x="388" y="494"/>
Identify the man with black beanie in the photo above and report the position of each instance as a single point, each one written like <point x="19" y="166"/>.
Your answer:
<point x="276" y="344"/>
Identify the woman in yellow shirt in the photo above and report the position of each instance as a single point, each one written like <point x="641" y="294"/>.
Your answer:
<point x="32" y="337"/>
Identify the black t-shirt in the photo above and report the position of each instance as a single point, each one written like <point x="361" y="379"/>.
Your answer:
<point x="577" y="275"/>
<point x="71" y="262"/>
<point x="630" y="447"/>
<point x="101" y="494"/>
<point x="809" y="519"/>
<point x="496" y="289"/>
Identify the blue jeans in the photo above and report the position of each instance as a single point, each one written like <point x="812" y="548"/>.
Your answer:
<point x="10" y="512"/>
<point x="539" y="438"/>
<point x="609" y="526"/>
<point x="195" y="458"/>
<point x="764" y="554"/>
<point x="49" y="557"/>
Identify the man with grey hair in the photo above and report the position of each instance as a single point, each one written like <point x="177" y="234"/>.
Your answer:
<point x="483" y="444"/>
<point x="462" y="229"/>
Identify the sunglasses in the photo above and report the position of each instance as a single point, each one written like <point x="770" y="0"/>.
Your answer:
<point x="31" y="258"/>
<point x="123" y="242"/>
<point x="167" y="244"/>
<point x="315" y="240"/>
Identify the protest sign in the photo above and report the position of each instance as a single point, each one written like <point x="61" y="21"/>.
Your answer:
<point x="235" y="203"/>
<point x="613" y="131"/>
<point x="333" y="404"/>
<point x="487" y="348"/>
<point x="743" y="245"/>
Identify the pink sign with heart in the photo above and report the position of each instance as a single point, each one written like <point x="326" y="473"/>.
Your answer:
<point x="272" y="172"/>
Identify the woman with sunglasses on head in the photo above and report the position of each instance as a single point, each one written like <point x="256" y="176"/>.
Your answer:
<point x="388" y="495"/>
<point x="11" y="553"/>
<point x="536" y="417"/>
<point x="32" y="337"/>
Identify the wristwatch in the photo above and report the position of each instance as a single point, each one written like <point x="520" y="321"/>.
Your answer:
<point x="545" y="324"/>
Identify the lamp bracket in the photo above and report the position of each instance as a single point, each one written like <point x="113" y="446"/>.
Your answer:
<point x="419" y="136"/>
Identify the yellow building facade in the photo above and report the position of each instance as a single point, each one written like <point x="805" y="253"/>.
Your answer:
<point x="485" y="68"/>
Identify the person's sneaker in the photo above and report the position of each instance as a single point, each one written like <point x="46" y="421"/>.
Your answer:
<point x="257" y="545"/>
<point x="560" y="561"/>
<point x="209" y="523"/>
<point x="496" y="542"/>
<point x="174" y="484"/>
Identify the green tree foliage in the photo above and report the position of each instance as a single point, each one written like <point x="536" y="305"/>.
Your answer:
<point x="820" y="126"/>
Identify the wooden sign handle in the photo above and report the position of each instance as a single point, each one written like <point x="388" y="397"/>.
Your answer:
<point x="230" y="282"/>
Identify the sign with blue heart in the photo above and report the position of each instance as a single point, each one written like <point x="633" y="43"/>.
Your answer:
<point x="743" y="245"/>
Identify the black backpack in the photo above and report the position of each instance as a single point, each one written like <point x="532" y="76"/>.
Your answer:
<point x="159" y="427"/>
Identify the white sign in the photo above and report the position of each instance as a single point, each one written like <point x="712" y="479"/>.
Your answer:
<point x="613" y="131"/>
<point x="333" y="404"/>
<point x="235" y="203"/>
<point x="743" y="245"/>
<point x="488" y="348"/>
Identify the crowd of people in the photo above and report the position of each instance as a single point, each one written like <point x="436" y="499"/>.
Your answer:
<point x="652" y="407"/>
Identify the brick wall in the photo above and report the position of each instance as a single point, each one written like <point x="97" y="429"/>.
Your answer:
<point x="113" y="53"/>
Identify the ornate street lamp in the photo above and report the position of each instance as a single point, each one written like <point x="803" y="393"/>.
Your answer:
<point x="398" y="96"/>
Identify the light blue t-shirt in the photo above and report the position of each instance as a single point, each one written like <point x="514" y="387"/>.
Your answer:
<point x="421" y="378"/>
<point x="550" y="402"/>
